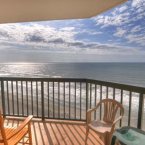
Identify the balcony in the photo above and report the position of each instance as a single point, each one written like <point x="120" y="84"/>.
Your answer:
<point x="59" y="106"/>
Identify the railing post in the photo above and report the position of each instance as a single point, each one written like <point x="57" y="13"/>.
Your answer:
<point x="3" y="97"/>
<point x="140" y="110"/>
<point x="86" y="98"/>
<point x="42" y="99"/>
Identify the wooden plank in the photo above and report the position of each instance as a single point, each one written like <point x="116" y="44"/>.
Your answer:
<point x="56" y="133"/>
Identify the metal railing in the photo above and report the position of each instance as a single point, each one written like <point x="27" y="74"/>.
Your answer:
<point x="68" y="99"/>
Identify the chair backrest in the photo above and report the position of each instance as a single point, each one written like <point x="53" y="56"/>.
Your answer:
<point x="111" y="107"/>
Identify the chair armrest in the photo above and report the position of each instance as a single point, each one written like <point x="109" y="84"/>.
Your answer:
<point x="20" y="127"/>
<point x="113" y="125"/>
<point x="90" y="111"/>
<point x="93" y="109"/>
<point x="115" y="121"/>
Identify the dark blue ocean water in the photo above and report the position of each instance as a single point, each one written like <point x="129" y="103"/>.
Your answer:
<point x="126" y="73"/>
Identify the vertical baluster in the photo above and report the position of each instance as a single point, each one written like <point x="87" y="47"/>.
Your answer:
<point x="90" y="95"/>
<point x="58" y="99"/>
<point x="42" y="101"/>
<point x="86" y="98"/>
<point x="95" y="100"/>
<point x="69" y="100"/>
<point x="3" y="97"/>
<point x="107" y="92"/>
<point x="75" y="100"/>
<point x="22" y="98"/>
<point x="113" y="93"/>
<point x="8" y="98"/>
<point x="27" y="97"/>
<point x="48" y="97"/>
<point x="37" y="97"/>
<point x="12" y="98"/>
<point x="129" y="113"/>
<point x="32" y="96"/>
<point x="53" y="100"/>
<point x="80" y="100"/>
<point x="100" y="100"/>
<point x="17" y="97"/>
<point x="121" y="101"/>
<point x="64" y="98"/>
<point x="140" y="110"/>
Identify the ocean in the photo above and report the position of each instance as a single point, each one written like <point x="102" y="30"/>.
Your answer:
<point x="125" y="73"/>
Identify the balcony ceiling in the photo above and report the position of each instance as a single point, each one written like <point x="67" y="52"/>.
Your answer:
<point x="12" y="11"/>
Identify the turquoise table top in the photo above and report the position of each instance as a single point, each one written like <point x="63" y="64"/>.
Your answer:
<point x="129" y="136"/>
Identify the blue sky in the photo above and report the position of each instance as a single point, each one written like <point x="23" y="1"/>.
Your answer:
<point x="116" y="35"/>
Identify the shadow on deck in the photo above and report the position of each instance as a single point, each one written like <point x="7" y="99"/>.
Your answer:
<point x="58" y="133"/>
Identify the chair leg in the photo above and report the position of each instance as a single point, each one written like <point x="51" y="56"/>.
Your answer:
<point x="30" y="135"/>
<point x="117" y="143"/>
<point x="107" y="139"/>
<point x="87" y="132"/>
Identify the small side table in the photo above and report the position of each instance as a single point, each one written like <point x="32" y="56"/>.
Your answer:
<point x="129" y="136"/>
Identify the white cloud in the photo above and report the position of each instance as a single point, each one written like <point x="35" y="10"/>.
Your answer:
<point x="39" y="33"/>
<point x="68" y="29"/>
<point x="137" y="3"/>
<point x="136" y="29"/>
<point x="113" y="20"/>
<point x="73" y="47"/>
<point x="36" y="37"/>
<point x="119" y="16"/>
<point x="136" y="38"/>
<point x="127" y="22"/>
<point x="90" y="32"/>
<point x="122" y="9"/>
<point x="120" y="32"/>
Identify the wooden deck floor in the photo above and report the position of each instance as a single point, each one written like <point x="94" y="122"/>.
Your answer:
<point x="59" y="133"/>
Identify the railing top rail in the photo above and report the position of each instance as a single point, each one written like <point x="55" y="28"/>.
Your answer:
<point x="83" y="80"/>
<point x="43" y="79"/>
<point x="119" y="86"/>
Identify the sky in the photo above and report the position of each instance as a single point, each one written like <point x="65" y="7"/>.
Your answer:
<point x="117" y="35"/>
